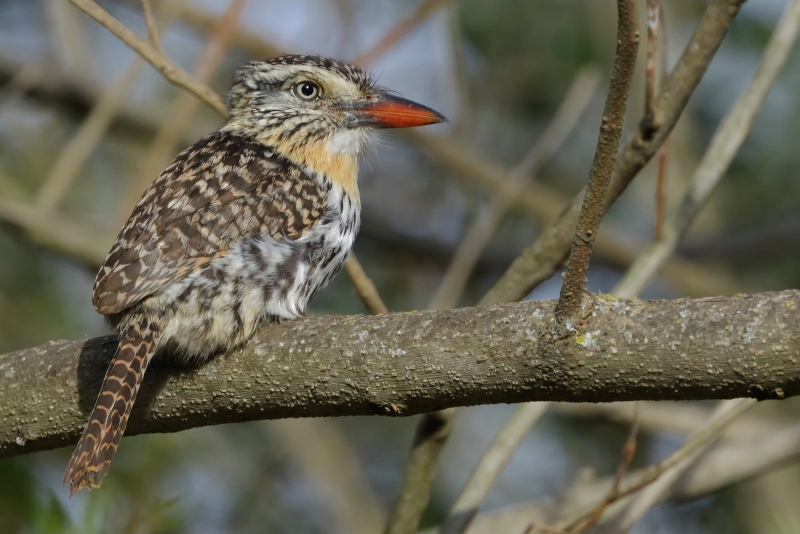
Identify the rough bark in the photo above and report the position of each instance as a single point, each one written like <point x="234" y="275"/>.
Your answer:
<point x="410" y="363"/>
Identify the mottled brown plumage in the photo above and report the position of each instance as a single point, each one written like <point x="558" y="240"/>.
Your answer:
<point x="218" y="192"/>
<point x="245" y="226"/>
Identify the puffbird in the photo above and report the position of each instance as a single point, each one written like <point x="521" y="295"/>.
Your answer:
<point x="244" y="227"/>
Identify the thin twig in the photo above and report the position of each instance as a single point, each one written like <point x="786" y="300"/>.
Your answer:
<point x="725" y="413"/>
<point x="398" y="31"/>
<point x="628" y="451"/>
<point x="540" y="260"/>
<point x="660" y="42"/>
<point x="669" y="418"/>
<point x="490" y="465"/>
<point x="74" y="154"/>
<point x="250" y="42"/>
<point x="456" y="34"/>
<point x="365" y="288"/>
<point x="541" y="202"/>
<point x="170" y="70"/>
<point x="152" y="28"/>
<point x="415" y="489"/>
<point x="650" y="122"/>
<point x="724" y="146"/>
<point x="165" y="143"/>
<point x="661" y="189"/>
<point x="482" y="230"/>
<point x="322" y="448"/>
<point x="605" y="156"/>
<point x="726" y="142"/>
<point x="56" y="232"/>
<point x="723" y="465"/>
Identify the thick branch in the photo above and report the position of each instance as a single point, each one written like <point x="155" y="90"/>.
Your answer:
<point x="403" y="364"/>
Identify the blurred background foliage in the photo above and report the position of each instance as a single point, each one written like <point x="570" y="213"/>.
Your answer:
<point x="498" y="69"/>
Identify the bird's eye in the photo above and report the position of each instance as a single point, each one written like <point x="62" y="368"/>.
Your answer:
<point x="306" y="90"/>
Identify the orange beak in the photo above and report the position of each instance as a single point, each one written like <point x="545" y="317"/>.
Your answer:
<point x="394" y="112"/>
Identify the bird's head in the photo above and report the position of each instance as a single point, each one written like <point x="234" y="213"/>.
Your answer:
<point x="310" y="107"/>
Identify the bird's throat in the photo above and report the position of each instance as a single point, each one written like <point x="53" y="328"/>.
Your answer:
<point x="341" y="168"/>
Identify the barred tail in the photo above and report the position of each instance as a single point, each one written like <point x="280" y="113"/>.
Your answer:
<point x="91" y="459"/>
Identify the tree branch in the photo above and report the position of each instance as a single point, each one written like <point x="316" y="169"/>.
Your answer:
<point x="480" y="233"/>
<point x="365" y="287"/>
<point x="697" y="441"/>
<point x="483" y="476"/>
<point x="540" y="260"/>
<point x="404" y="364"/>
<point x="542" y="202"/>
<point x="398" y="31"/>
<point x="170" y="70"/>
<point x="415" y="489"/>
<point x="71" y="158"/>
<point x="722" y="466"/>
<point x="724" y="146"/>
<point x="165" y="145"/>
<point x="592" y="211"/>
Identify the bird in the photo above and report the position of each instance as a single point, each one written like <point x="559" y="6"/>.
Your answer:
<point x="244" y="227"/>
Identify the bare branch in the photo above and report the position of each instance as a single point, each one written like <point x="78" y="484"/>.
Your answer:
<point x="657" y="41"/>
<point x="410" y="363"/>
<point x="661" y="190"/>
<point x="697" y="441"/>
<point x="600" y="176"/>
<point x="365" y="288"/>
<point x="628" y="450"/>
<point x="726" y="142"/>
<point x="164" y="145"/>
<point x="321" y="447"/>
<point x="650" y="121"/>
<point x="400" y="30"/>
<point x="671" y="417"/>
<point x="540" y="260"/>
<point x="171" y="72"/>
<point x="482" y="230"/>
<point x="542" y="202"/>
<point x="74" y="154"/>
<point x="152" y="27"/>
<point x="415" y="488"/>
<point x="491" y="464"/>
<point x="724" y="465"/>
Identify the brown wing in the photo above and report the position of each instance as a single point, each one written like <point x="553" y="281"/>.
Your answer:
<point x="215" y="194"/>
